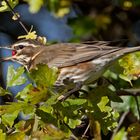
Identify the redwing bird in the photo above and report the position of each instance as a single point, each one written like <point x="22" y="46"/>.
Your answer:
<point x="78" y="62"/>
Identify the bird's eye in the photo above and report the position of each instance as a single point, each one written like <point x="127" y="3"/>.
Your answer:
<point x="20" y="46"/>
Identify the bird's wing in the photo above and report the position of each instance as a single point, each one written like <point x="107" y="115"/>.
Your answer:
<point x="68" y="54"/>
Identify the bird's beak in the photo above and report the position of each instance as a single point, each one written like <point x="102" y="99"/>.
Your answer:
<point x="7" y="58"/>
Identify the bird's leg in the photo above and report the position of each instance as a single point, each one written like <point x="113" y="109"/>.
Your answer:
<point x="69" y="93"/>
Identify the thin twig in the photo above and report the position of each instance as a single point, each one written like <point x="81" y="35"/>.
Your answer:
<point x="137" y="103"/>
<point x="129" y="92"/>
<point x="86" y="131"/>
<point x="119" y="124"/>
<point x="35" y="126"/>
<point x="14" y="13"/>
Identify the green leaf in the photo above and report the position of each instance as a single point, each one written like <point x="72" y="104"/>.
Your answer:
<point x="121" y="135"/>
<point x="77" y="102"/>
<point x="9" y="112"/>
<point x="99" y="105"/>
<point x="33" y="94"/>
<point x="16" y="136"/>
<point x="4" y="7"/>
<point x="72" y="123"/>
<point x="11" y="107"/>
<point x="35" y="5"/>
<point x="50" y="118"/>
<point x="103" y="104"/>
<point x="8" y="118"/>
<point x="44" y="75"/>
<point x="14" y="106"/>
<point x="2" y="135"/>
<point x="3" y="92"/>
<point x="14" y="77"/>
<point x="131" y="66"/>
<point x="47" y="109"/>
<point x="126" y="78"/>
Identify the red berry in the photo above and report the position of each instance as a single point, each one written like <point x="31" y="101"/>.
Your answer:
<point x="13" y="52"/>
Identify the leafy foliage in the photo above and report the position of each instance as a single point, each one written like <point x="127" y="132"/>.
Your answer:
<point x="39" y="99"/>
<point x="131" y="65"/>
<point x="120" y="135"/>
<point x="14" y="77"/>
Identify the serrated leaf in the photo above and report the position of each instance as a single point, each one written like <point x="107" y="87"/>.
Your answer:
<point x="10" y="112"/>
<point x="99" y="104"/>
<point x="33" y="94"/>
<point x="3" y="92"/>
<point x="72" y="123"/>
<point x="8" y="118"/>
<point x="44" y="75"/>
<point x="103" y="104"/>
<point x="14" y="77"/>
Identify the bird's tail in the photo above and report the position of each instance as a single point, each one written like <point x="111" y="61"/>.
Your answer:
<point x="130" y="50"/>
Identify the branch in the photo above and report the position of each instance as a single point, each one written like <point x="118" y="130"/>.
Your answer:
<point x="128" y="92"/>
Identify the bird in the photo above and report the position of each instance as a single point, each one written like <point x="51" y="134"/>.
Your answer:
<point x="78" y="63"/>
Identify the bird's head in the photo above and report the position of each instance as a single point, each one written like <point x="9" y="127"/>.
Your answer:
<point x="23" y="51"/>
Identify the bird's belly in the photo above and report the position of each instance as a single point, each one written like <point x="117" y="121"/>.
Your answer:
<point x="85" y="72"/>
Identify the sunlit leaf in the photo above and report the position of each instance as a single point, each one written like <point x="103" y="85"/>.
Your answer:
<point x="35" y="5"/>
<point x="120" y="135"/>
<point x="131" y="65"/>
<point x="14" y="77"/>
<point x="13" y="106"/>
<point x="73" y="122"/>
<point x="33" y="94"/>
<point x="2" y="135"/>
<point x="16" y="136"/>
<point x="4" y="92"/>
<point x="77" y="102"/>
<point x="44" y="75"/>
<point x="8" y="118"/>
<point x="103" y="104"/>
<point x="99" y="103"/>
<point x="4" y="7"/>
<point x="126" y="78"/>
